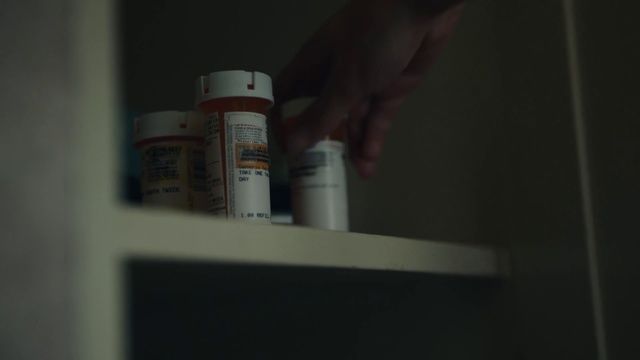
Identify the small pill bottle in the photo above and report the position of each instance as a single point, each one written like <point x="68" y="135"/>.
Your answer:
<point x="235" y="104"/>
<point x="318" y="178"/>
<point x="171" y="146"/>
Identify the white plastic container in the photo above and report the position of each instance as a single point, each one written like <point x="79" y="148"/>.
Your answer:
<point x="318" y="178"/>
<point x="235" y="104"/>
<point x="171" y="145"/>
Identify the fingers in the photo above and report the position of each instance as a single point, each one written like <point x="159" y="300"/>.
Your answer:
<point x="344" y="84"/>
<point x="367" y="134"/>
<point x="432" y="45"/>
<point x="301" y="78"/>
<point x="367" y="137"/>
<point x="341" y="94"/>
<point x="355" y="135"/>
<point x="446" y="22"/>
<point x="304" y="76"/>
<point x="306" y="73"/>
<point x="357" y="116"/>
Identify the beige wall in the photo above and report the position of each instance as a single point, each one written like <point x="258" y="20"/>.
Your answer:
<point x="35" y="93"/>
<point x="607" y="40"/>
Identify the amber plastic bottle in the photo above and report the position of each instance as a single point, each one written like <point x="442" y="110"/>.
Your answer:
<point x="235" y="104"/>
<point x="171" y="146"/>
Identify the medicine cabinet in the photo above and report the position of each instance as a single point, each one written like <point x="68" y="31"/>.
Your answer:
<point x="474" y="240"/>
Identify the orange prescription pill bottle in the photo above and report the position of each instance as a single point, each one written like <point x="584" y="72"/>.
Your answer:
<point x="171" y="146"/>
<point x="235" y="104"/>
<point x="318" y="177"/>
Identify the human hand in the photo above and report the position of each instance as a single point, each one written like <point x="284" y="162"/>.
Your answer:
<point x="363" y="63"/>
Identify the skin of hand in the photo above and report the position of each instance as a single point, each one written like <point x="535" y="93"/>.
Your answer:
<point x="362" y="64"/>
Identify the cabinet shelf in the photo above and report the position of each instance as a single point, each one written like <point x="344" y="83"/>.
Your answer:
<point x="173" y="236"/>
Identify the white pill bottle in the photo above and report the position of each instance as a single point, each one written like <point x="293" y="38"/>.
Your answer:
<point x="318" y="178"/>
<point x="171" y="146"/>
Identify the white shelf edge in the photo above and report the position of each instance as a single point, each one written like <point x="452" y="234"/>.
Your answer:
<point x="175" y="236"/>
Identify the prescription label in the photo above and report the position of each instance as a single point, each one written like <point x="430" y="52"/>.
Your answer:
<point x="165" y="175"/>
<point x="215" y="168"/>
<point x="319" y="187"/>
<point x="247" y="166"/>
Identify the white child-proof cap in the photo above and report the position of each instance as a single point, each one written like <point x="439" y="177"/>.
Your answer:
<point x="233" y="83"/>
<point x="188" y="124"/>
